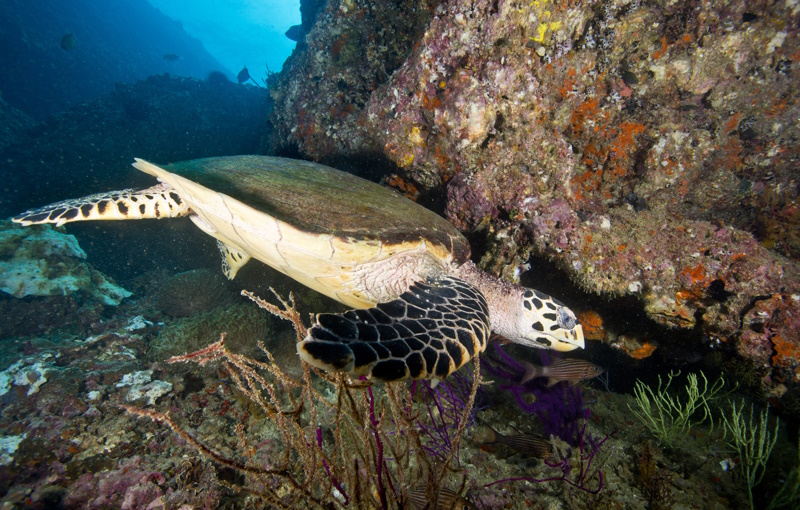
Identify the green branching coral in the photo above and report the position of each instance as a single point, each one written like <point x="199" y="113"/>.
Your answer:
<point x="754" y="443"/>
<point x="788" y="496"/>
<point x="666" y="416"/>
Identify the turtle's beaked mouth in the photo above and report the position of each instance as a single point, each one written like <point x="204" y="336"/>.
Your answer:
<point x="562" y="340"/>
<point x="569" y="340"/>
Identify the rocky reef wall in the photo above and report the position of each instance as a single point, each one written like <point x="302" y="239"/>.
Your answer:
<point x="647" y="149"/>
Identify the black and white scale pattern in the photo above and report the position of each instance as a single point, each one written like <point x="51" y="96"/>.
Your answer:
<point x="429" y="332"/>
<point x="159" y="201"/>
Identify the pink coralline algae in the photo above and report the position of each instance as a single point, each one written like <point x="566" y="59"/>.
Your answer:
<point x="126" y="487"/>
<point x="460" y="191"/>
<point x="771" y="326"/>
<point x="646" y="150"/>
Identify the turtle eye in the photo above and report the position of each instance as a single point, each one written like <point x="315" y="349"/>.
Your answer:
<point x="566" y="319"/>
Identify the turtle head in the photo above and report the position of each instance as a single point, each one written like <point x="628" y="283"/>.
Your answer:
<point x="522" y="315"/>
<point x="546" y="323"/>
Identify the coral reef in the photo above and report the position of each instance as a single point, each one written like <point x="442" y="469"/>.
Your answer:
<point x="332" y="447"/>
<point x="337" y="80"/>
<point x="69" y="444"/>
<point x="45" y="262"/>
<point x="617" y="140"/>
<point x="644" y="151"/>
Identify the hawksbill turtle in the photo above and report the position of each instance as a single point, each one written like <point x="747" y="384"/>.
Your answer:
<point x="421" y="308"/>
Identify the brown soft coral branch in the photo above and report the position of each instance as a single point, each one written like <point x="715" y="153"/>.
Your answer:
<point x="288" y="312"/>
<point x="350" y="467"/>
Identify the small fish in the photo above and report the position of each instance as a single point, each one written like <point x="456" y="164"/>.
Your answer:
<point x="294" y="32"/>
<point x="171" y="57"/>
<point x="565" y="369"/>
<point x="524" y="444"/>
<point x="243" y="76"/>
<point x="68" y="42"/>
<point x="447" y="499"/>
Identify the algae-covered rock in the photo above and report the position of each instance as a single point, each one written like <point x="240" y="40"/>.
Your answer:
<point x="44" y="262"/>
<point x="618" y="141"/>
<point x="243" y="323"/>
<point x="193" y="292"/>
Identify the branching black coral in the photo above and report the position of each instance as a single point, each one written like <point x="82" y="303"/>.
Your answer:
<point x="344" y="443"/>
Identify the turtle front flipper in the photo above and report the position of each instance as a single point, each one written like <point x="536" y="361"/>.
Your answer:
<point x="156" y="202"/>
<point x="429" y="332"/>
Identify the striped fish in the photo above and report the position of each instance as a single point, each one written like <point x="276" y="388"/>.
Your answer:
<point x="446" y="499"/>
<point x="565" y="369"/>
<point x="528" y="445"/>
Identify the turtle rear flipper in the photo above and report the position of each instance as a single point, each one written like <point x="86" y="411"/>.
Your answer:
<point x="155" y="202"/>
<point x="429" y="332"/>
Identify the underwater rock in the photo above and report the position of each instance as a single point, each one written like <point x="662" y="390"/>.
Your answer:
<point x="142" y="386"/>
<point x="618" y="141"/>
<point x="350" y="50"/>
<point x="8" y="446"/>
<point x="30" y="372"/>
<point x="45" y="262"/>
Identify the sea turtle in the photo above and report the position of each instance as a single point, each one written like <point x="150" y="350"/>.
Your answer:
<point x="422" y="308"/>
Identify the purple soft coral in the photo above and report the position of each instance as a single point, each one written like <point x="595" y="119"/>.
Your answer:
<point x="559" y="409"/>
<point x="445" y="404"/>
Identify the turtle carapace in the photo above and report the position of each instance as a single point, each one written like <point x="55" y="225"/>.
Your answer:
<point x="422" y="309"/>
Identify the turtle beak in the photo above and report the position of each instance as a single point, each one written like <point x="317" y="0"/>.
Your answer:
<point x="569" y="340"/>
<point x="562" y="340"/>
